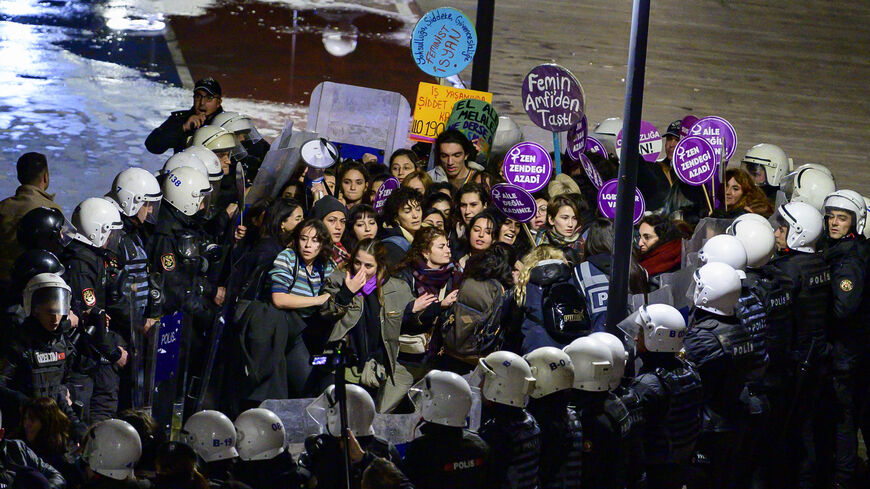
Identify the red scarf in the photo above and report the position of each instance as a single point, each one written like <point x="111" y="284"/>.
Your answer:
<point x="663" y="258"/>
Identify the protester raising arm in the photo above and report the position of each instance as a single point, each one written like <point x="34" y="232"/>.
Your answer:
<point x="298" y="272"/>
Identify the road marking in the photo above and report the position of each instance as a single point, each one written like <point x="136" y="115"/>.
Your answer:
<point x="177" y="57"/>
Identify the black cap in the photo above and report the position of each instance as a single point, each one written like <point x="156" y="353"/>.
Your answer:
<point x="210" y="85"/>
<point x="674" y="128"/>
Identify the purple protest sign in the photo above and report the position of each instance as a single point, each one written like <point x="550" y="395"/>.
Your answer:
<point x="687" y="124"/>
<point x="514" y="202"/>
<point x="594" y="146"/>
<point x="591" y="171"/>
<point x="719" y="133"/>
<point x="650" y="145"/>
<point x="695" y="160"/>
<point x="553" y="98"/>
<point x="528" y="165"/>
<point x="577" y="139"/>
<point x="607" y="201"/>
<point x="383" y="192"/>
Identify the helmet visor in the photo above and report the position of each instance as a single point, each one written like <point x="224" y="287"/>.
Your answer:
<point x="755" y="170"/>
<point x="418" y="393"/>
<point x="67" y="231"/>
<point x="788" y="185"/>
<point x="319" y="411"/>
<point x="149" y="210"/>
<point x="50" y="300"/>
<point x="113" y="242"/>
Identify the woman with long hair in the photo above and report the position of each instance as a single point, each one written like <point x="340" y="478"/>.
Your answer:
<point x="45" y="429"/>
<point x="418" y="180"/>
<point x="742" y="195"/>
<point x="370" y="310"/>
<point x="403" y="162"/>
<point x="480" y="234"/>
<point x="362" y="223"/>
<point x="563" y="227"/>
<point x="353" y="183"/>
<point x="176" y="468"/>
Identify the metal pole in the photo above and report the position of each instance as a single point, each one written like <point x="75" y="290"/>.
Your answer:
<point x="483" y="26"/>
<point x="617" y="302"/>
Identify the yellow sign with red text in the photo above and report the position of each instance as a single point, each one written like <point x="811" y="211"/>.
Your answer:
<point x="433" y="105"/>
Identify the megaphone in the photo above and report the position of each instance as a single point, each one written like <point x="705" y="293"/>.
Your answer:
<point x="319" y="153"/>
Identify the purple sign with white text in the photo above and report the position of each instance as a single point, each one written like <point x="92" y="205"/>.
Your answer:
<point x="650" y="145"/>
<point x="528" y="165"/>
<point x="553" y="98"/>
<point x="687" y="124"/>
<point x="719" y="133"/>
<point x="514" y="202"/>
<point x="577" y="139"/>
<point x="383" y="192"/>
<point x="593" y="145"/>
<point x="607" y="201"/>
<point x="695" y="160"/>
<point x="591" y="171"/>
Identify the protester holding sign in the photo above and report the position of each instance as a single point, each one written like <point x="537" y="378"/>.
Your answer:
<point x="563" y="227"/>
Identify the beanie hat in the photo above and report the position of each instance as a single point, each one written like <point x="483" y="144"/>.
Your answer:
<point x="327" y="205"/>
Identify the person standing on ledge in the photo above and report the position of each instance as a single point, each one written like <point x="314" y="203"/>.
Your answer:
<point x="181" y="124"/>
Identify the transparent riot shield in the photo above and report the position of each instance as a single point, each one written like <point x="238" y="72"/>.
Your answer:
<point x="706" y="229"/>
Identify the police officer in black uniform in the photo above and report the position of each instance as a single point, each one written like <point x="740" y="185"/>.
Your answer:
<point x="671" y="394"/>
<point x="37" y="357"/>
<point x="92" y="268"/>
<point x="798" y="228"/>
<point x="446" y="454"/>
<point x="722" y="351"/>
<point x="181" y="125"/>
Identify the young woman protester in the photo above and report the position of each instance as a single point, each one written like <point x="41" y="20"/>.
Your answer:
<point x="418" y="180"/>
<point x="433" y="218"/>
<point x="743" y="196"/>
<point x="361" y="224"/>
<point x="333" y="214"/>
<point x="480" y="234"/>
<point x="353" y="183"/>
<point x="401" y="218"/>
<point x="659" y="246"/>
<point x="45" y="429"/>
<point x="371" y="310"/>
<point x="403" y="162"/>
<point x="563" y="227"/>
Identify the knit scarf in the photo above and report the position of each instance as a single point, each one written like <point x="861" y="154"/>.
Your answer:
<point x="555" y="239"/>
<point x="339" y="254"/>
<point x="663" y="258"/>
<point x="432" y="280"/>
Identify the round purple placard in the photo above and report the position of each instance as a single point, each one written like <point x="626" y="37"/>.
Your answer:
<point x="650" y="145"/>
<point x="383" y="192"/>
<point x="528" y="165"/>
<point x="553" y="98"/>
<point x="593" y="145"/>
<point x="718" y="132"/>
<point x="694" y="160"/>
<point x="577" y="139"/>
<point x="607" y="200"/>
<point x="514" y="202"/>
<point x="591" y="171"/>
<point x="687" y="124"/>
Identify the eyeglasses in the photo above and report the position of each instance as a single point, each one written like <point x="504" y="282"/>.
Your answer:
<point x="207" y="97"/>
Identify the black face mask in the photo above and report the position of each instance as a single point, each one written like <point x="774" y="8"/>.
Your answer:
<point x="188" y="247"/>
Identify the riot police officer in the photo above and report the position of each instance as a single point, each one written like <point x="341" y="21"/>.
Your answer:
<point x="446" y="454"/>
<point x="561" y="434"/>
<point x="248" y="137"/>
<point x="670" y="392"/>
<point x="848" y="256"/>
<point x="213" y="437"/>
<point x="263" y="461"/>
<point x="798" y="227"/>
<point x="111" y="452"/>
<point x="513" y="435"/>
<point x="28" y="265"/>
<point x="92" y="267"/>
<point x="722" y="351"/>
<point x="37" y="357"/>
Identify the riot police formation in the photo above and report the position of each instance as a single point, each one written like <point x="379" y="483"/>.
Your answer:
<point x="740" y="364"/>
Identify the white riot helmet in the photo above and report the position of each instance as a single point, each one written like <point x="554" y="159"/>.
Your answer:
<point x="211" y="434"/>
<point x="552" y="370"/>
<point x="592" y="361"/>
<point x="609" y="127"/>
<point x="805" y="225"/>
<point x="360" y="411"/>
<point x="507" y="378"/>
<point x="617" y="351"/>
<point x="443" y="398"/>
<point x="112" y="449"/>
<point x="849" y="201"/>
<point x="717" y="288"/>
<point x="209" y="160"/>
<point x="214" y="138"/>
<point x="663" y="327"/>
<point x="507" y="134"/>
<point x="724" y="248"/>
<point x="749" y="216"/>
<point x="867" y="206"/>
<point x="757" y="239"/>
<point x="238" y="124"/>
<point x="46" y="292"/>
<point x="189" y="160"/>
<point x="260" y="435"/>
<point x="185" y="189"/>
<point x="809" y="185"/>
<point x="98" y="223"/>
<point x="133" y="188"/>
<point x="770" y="158"/>
<point x="818" y="166"/>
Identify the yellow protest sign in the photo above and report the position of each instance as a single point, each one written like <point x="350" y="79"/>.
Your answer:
<point x="433" y="106"/>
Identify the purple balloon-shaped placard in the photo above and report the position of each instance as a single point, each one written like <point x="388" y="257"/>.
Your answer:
<point x="514" y="202"/>
<point x="591" y="171"/>
<point x="695" y="160"/>
<point x="718" y="132"/>
<point x="553" y="98"/>
<point x="595" y="146"/>
<point x="528" y="165"/>
<point x="607" y="201"/>
<point x="577" y="139"/>
<point x="686" y="124"/>
<point x="383" y="192"/>
<point x="650" y="145"/>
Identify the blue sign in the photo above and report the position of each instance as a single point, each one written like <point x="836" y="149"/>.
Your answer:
<point x="443" y="42"/>
<point x="168" y="347"/>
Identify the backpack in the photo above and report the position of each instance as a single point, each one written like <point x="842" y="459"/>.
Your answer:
<point x="563" y="306"/>
<point x="471" y="332"/>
